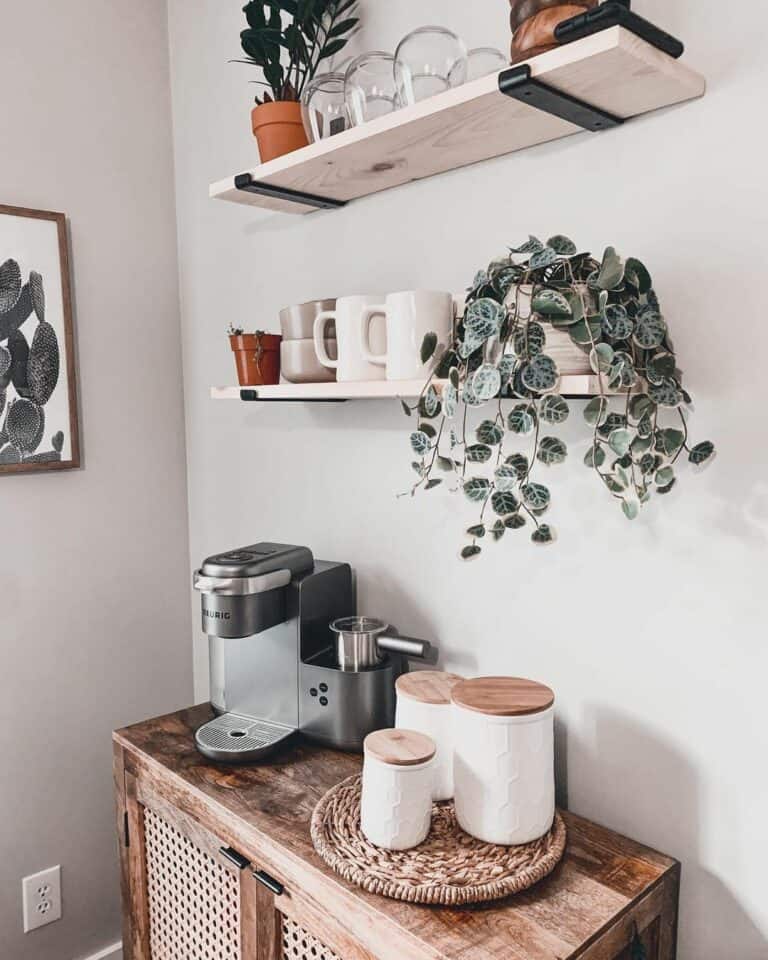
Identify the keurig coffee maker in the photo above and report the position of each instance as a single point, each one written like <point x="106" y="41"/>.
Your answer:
<point x="288" y="657"/>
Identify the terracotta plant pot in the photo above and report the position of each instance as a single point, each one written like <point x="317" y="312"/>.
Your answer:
<point x="533" y="24"/>
<point x="257" y="356"/>
<point x="278" y="128"/>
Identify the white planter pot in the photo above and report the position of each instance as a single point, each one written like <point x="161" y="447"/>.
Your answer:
<point x="424" y="704"/>
<point x="504" y="784"/>
<point x="396" y="803"/>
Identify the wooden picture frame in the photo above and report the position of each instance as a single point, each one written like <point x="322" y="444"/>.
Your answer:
<point x="37" y="344"/>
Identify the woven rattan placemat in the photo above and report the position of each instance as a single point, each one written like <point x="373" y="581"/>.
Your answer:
<point x="449" y="868"/>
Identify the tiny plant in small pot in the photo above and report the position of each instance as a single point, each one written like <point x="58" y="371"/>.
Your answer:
<point x="257" y="356"/>
<point x="289" y="40"/>
<point x="636" y="425"/>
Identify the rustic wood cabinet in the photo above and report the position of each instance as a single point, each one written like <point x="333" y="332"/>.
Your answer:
<point x="217" y="864"/>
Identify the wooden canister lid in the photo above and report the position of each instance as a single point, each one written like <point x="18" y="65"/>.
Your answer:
<point x="502" y="696"/>
<point x="401" y="748"/>
<point x="427" y="686"/>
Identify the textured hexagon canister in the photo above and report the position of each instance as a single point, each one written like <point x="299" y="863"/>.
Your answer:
<point x="396" y="801"/>
<point x="503" y="762"/>
<point x="424" y="704"/>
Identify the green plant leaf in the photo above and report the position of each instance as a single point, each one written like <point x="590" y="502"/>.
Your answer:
<point x="469" y="553"/>
<point x="669" y="441"/>
<point x="554" y="409"/>
<point x="586" y="332"/>
<point x="631" y="509"/>
<point x="540" y="374"/>
<point x="477" y="531"/>
<point x="664" y="490"/>
<point x="450" y="401"/>
<point x="601" y="357"/>
<point x="432" y="483"/>
<point x="504" y="502"/>
<point x="596" y="411"/>
<point x="530" y="340"/>
<point x="521" y="419"/>
<point x="477" y="489"/>
<point x="619" y="441"/>
<point x="665" y="394"/>
<point x="453" y="376"/>
<point x="486" y="382"/>
<point x="594" y="457"/>
<point x="480" y="313"/>
<point x="639" y="405"/>
<point x="531" y="245"/>
<point x="542" y="258"/>
<point x="640" y="446"/>
<point x="616" y="322"/>
<point x="519" y="463"/>
<point x="489" y="432"/>
<point x="444" y="463"/>
<point x="611" y="271"/>
<point x="505" y="478"/>
<point x="428" y="347"/>
<point x="498" y="530"/>
<point x="406" y="408"/>
<point x="650" y="329"/>
<point x="543" y="535"/>
<point x="552" y="450"/>
<point x="478" y="453"/>
<point x="660" y="367"/>
<point x="638" y="275"/>
<point x="419" y="443"/>
<point x="536" y="496"/>
<point x="702" y="453"/>
<point x="562" y="245"/>
<point x="551" y="303"/>
<point x="428" y="429"/>
<point x="429" y="405"/>
<point x="664" y="477"/>
<point x="514" y="521"/>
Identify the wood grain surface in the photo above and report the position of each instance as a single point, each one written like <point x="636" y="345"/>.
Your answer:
<point x="427" y="686"/>
<point x="585" y="909"/>
<point x="401" y="748"/>
<point x="503" y="696"/>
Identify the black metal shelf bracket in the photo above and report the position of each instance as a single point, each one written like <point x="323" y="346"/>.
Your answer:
<point x="517" y="82"/>
<point x="252" y="396"/>
<point x="244" y="181"/>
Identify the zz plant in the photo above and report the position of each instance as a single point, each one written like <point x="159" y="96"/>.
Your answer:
<point x="289" y="39"/>
<point x="637" y="424"/>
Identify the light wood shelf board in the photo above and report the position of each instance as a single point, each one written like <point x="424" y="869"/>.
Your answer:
<point x="613" y="70"/>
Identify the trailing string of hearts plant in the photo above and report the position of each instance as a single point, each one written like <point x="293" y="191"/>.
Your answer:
<point x="611" y="312"/>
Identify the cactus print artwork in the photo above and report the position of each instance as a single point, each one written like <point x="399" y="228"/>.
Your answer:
<point x="38" y="421"/>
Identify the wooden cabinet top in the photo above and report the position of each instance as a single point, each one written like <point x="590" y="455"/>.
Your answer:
<point x="581" y="910"/>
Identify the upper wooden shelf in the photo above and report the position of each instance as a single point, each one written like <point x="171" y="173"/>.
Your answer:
<point x="614" y="71"/>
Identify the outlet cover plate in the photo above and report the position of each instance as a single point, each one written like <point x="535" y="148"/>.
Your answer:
<point x="42" y="898"/>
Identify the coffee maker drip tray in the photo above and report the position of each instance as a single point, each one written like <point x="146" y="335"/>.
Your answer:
<point x="231" y="738"/>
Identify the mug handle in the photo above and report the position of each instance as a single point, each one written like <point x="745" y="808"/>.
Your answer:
<point x="380" y="360"/>
<point x="318" y="332"/>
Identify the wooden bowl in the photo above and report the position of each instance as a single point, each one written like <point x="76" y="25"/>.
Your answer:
<point x="533" y="24"/>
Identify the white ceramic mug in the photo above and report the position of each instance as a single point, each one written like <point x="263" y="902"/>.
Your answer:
<point x="410" y="315"/>
<point x="351" y="364"/>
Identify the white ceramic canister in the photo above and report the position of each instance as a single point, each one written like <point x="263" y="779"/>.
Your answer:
<point x="503" y="762"/>
<point x="424" y="704"/>
<point x="396" y="804"/>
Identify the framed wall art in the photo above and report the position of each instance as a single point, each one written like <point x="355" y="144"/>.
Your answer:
<point x="38" y="395"/>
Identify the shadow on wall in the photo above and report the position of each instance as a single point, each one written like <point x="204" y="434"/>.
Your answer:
<point x="651" y="793"/>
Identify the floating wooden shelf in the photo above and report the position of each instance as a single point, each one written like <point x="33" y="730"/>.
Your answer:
<point x="613" y="71"/>
<point x="570" y="386"/>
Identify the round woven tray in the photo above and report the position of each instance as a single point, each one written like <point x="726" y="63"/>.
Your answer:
<point x="449" y="868"/>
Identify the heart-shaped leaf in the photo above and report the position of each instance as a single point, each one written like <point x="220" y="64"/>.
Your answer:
<point x="477" y="530"/>
<point x="498" y="530"/>
<point x="551" y="303"/>
<point x="519" y="463"/>
<point x="616" y="322"/>
<point x="660" y="367"/>
<point x="595" y="456"/>
<point x="536" y="496"/>
<point x="664" y="477"/>
<point x="477" y="489"/>
<point x="514" y="521"/>
<point x="619" y="441"/>
<point x="586" y="331"/>
<point x="637" y="274"/>
<point x="486" y="382"/>
<point x="601" y="357"/>
<point x="701" y="453"/>
<point x="469" y="553"/>
<point x="596" y="411"/>
<point x="562" y="245"/>
<point x="490" y="432"/>
<point x="505" y="478"/>
<point x="669" y="441"/>
<point x="611" y="271"/>
<point x="542" y="258"/>
<point x="478" y="453"/>
<point x="554" y="409"/>
<point x="428" y="347"/>
<point x="504" y="502"/>
<point x="650" y="329"/>
<point x="521" y="419"/>
<point x="631" y="509"/>
<point x="540" y="374"/>
<point x="530" y="340"/>
<point x="531" y="245"/>
<point x="543" y="535"/>
<point x="665" y="394"/>
<point x="419" y="443"/>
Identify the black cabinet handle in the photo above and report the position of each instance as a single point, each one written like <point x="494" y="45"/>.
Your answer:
<point x="234" y="857"/>
<point x="269" y="882"/>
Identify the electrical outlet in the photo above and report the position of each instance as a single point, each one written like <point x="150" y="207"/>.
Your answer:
<point x="42" y="898"/>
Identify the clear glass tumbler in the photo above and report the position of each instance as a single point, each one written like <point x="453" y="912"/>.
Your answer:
<point x="323" y="107"/>
<point x="428" y="61"/>
<point x="483" y="61"/>
<point x="369" y="87"/>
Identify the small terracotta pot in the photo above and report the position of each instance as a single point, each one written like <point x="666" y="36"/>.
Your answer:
<point x="533" y="24"/>
<point x="278" y="128"/>
<point x="257" y="356"/>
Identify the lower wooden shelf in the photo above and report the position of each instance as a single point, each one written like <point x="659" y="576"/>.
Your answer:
<point x="570" y="386"/>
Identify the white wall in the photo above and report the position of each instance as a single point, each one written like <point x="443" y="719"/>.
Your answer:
<point x="653" y="635"/>
<point x="93" y="563"/>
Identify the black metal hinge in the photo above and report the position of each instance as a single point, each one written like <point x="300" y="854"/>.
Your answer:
<point x="517" y="82"/>
<point x="244" y="181"/>
<point x="126" y="830"/>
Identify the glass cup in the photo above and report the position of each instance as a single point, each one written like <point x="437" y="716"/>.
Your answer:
<point x="369" y="87"/>
<point x="428" y="61"/>
<point x="483" y="61"/>
<point x="323" y="107"/>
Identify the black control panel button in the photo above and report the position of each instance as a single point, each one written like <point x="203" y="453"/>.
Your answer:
<point x="323" y="688"/>
<point x="313" y="692"/>
<point x="323" y="701"/>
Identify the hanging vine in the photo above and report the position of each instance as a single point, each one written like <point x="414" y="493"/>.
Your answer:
<point x="637" y="421"/>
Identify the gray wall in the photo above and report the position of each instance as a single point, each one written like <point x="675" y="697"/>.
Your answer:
<point x="653" y="635"/>
<point x="93" y="564"/>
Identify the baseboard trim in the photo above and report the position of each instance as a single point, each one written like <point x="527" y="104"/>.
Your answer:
<point x="113" y="952"/>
